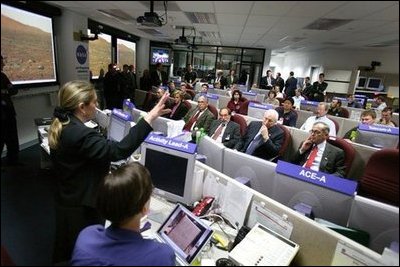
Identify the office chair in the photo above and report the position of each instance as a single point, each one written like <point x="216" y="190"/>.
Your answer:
<point x="346" y="113"/>
<point x="349" y="150"/>
<point x="381" y="177"/>
<point x="287" y="138"/>
<point x="332" y="118"/>
<point x="213" y="110"/>
<point x="242" y="123"/>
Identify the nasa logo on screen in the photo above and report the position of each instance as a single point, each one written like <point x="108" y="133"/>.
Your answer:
<point x="81" y="54"/>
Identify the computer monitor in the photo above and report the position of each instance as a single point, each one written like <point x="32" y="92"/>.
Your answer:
<point x="327" y="204"/>
<point x="120" y="124"/>
<point x="256" y="110"/>
<point x="241" y="165"/>
<point x="214" y="151"/>
<point x="377" y="136"/>
<point x="308" y="105"/>
<point x="361" y="82"/>
<point x="137" y="113"/>
<point x="172" y="171"/>
<point x="161" y="125"/>
<point x="374" y="83"/>
<point x="213" y="99"/>
<point x="102" y="118"/>
<point x="378" y="219"/>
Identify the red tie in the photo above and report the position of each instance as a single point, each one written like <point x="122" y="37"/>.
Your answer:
<point x="192" y="120"/>
<point x="218" y="131"/>
<point x="311" y="157"/>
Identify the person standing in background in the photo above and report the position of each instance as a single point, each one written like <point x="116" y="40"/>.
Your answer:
<point x="290" y="85"/>
<point x="9" y="132"/>
<point x="190" y="76"/>
<point x="318" y="89"/>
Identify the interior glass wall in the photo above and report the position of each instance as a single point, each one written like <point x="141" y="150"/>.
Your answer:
<point x="207" y="60"/>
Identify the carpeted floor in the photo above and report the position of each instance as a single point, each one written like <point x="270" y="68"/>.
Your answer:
<point x="27" y="210"/>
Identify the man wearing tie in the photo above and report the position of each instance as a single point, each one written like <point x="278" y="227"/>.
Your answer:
<point x="318" y="155"/>
<point x="262" y="139"/>
<point x="224" y="130"/>
<point x="200" y="117"/>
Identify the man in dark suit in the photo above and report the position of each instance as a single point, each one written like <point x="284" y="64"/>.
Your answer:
<point x="262" y="139"/>
<point x="159" y="76"/>
<point x="318" y="89"/>
<point x="279" y="81"/>
<point x="200" y="117"/>
<point x="220" y="81"/>
<point x="318" y="155"/>
<point x="290" y="86"/>
<point x="267" y="82"/>
<point x="224" y="130"/>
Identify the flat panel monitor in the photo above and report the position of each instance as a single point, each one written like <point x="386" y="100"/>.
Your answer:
<point x="257" y="111"/>
<point x="361" y="82"/>
<point x="374" y="84"/>
<point x="214" y="151"/>
<point x="185" y="233"/>
<point x="241" y="165"/>
<point x="378" y="219"/>
<point x="326" y="204"/>
<point x="118" y="128"/>
<point x="160" y="55"/>
<point x="102" y="118"/>
<point x="308" y="105"/>
<point x="161" y="125"/>
<point x="377" y="139"/>
<point x="137" y="113"/>
<point x="172" y="172"/>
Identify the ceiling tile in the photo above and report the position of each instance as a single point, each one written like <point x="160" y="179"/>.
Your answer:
<point x="262" y="21"/>
<point x="231" y="19"/>
<point x="196" y="6"/>
<point x="272" y="8"/>
<point x="233" y="7"/>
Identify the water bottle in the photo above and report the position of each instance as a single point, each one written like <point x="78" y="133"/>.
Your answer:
<point x="198" y="133"/>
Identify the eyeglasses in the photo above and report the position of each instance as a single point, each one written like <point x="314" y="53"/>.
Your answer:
<point x="223" y="115"/>
<point x="201" y="101"/>
<point x="316" y="132"/>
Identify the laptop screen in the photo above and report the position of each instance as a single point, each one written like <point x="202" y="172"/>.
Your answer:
<point x="185" y="233"/>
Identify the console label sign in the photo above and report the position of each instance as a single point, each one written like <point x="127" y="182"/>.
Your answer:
<point x="171" y="143"/>
<point x="379" y="129"/>
<point x="256" y="105"/>
<point x="342" y="185"/>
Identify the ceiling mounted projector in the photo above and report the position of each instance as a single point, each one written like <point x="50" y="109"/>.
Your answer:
<point x="150" y="19"/>
<point x="182" y="40"/>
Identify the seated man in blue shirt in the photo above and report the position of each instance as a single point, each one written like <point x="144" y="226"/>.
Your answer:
<point x="123" y="198"/>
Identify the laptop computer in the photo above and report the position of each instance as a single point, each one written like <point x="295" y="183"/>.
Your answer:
<point x="185" y="233"/>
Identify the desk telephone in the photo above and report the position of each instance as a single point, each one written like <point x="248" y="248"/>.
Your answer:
<point x="262" y="247"/>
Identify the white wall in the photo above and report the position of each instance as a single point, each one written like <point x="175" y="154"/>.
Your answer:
<point x="338" y="59"/>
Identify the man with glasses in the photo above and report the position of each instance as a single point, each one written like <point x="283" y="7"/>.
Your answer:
<point x="317" y="154"/>
<point x="263" y="139"/>
<point x="224" y="130"/>
<point x="200" y="117"/>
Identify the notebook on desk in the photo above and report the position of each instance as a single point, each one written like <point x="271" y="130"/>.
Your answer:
<point x="185" y="233"/>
